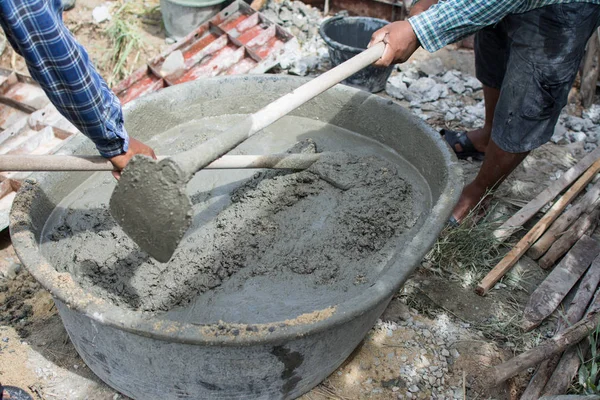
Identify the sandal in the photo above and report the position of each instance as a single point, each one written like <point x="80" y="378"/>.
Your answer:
<point x="13" y="393"/>
<point x="452" y="222"/>
<point x="474" y="218"/>
<point x="468" y="149"/>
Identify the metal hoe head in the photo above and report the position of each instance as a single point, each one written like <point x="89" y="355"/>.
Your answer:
<point x="151" y="205"/>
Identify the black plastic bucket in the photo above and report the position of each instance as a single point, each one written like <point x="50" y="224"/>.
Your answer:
<point x="348" y="36"/>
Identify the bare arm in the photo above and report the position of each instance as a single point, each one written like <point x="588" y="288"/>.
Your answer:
<point x="421" y="5"/>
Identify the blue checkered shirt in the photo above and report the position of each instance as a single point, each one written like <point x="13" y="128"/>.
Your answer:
<point x="63" y="69"/>
<point x="452" y="20"/>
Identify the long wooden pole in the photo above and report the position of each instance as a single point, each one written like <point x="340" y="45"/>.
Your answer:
<point x="530" y="209"/>
<point x="584" y="204"/>
<point x="534" y="234"/>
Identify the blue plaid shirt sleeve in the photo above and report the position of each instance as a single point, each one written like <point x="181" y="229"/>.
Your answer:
<point x="451" y="20"/>
<point x="64" y="71"/>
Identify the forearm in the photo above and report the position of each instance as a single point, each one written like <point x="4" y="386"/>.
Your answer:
<point x="419" y="6"/>
<point x="452" y="20"/>
<point x="63" y="69"/>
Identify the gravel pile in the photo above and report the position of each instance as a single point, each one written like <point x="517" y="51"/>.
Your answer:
<point x="571" y="129"/>
<point x="434" y="92"/>
<point x="427" y="359"/>
<point x="303" y="22"/>
<point x="409" y="356"/>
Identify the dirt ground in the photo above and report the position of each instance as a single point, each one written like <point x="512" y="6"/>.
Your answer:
<point x="432" y="342"/>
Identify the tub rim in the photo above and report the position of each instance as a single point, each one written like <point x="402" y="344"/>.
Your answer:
<point x="335" y="45"/>
<point x="65" y="289"/>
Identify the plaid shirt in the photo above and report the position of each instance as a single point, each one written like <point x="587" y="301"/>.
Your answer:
<point x="63" y="69"/>
<point x="451" y="20"/>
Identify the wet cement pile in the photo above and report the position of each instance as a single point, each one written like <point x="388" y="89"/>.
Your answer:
<point x="316" y="223"/>
<point x="307" y="239"/>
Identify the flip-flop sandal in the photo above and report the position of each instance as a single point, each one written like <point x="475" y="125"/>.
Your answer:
<point x="468" y="149"/>
<point x="452" y="222"/>
<point x="481" y="213"/>
<point x="13" y="393"/>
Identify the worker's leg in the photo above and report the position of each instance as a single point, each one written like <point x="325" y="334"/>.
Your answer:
<point x="481" y="137"/>
<point x="491" y="57"/>
<point x="498" y="164"/>
<point x="546" y="47"/>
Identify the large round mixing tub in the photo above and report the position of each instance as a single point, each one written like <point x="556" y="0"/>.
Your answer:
<point x="151" y="357"/>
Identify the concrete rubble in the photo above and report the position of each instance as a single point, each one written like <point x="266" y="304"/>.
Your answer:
<point x="101" y="14"/>
<point x="303" y="22"/>
<point x="452" y="95"/>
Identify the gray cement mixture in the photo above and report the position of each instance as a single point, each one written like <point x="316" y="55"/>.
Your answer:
<point x="264" y="245"/>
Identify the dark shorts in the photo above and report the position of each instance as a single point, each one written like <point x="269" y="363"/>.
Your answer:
<point x="533" y="59"/>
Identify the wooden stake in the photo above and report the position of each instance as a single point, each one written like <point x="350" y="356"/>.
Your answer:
<point x="565" y="371"/>
<point x="569" y="362"/>
<point x="534" y="234"/>
<point x="584" y="225"/>
<point x="540" y="378"/>
<point x="575" y="311"/>
<point x="550" y="293"/>
<point x="589" y="74"/>
<point x="571" y="397"/>
<point x="585" y="293"/>
<point x="585" y="204"/>
<point x="530" y="209"/>
<point x="559" y="343"/>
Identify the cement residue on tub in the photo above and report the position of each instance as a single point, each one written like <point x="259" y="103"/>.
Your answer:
<point x="323" y="232"/>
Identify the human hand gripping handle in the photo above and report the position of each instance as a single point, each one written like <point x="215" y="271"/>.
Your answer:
<point x="135" y="147"/>
<point x="400" y="43"/>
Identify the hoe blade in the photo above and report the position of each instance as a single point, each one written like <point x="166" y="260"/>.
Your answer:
<point x="151" y="205"/>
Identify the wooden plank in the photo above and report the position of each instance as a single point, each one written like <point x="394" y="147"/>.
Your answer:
<point x="551" y="292"/>
<point x="586" y="224"/>
<point x="26" y="108"/>
<point x="565" y="371"/>
<point x="589" y="74"/>
<point x="556" y="345"/>
<point x="537" y="231"/>
<point x="575" y="311"/>
<point x="528" y="211"/>
<point x="571" y="397"/>
<point x="585" y="204"/>
<point x="540" y="379"/>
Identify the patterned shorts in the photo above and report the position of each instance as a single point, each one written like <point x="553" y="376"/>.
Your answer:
<point x="533" y="59"/>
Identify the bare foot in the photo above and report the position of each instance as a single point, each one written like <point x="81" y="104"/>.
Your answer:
<point x="470" y="197"/>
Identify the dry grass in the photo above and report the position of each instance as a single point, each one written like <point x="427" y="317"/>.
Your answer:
<point x="466" y="254"/>
<point x="471" y="247"/>
<point x="126" y="39"/>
